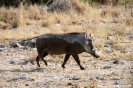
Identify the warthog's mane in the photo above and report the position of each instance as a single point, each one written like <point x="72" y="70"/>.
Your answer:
<point x="76" y="33"/>
<point x="71" y="33"/>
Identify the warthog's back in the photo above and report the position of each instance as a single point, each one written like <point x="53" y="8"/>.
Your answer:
<point x="60" y="43"/>
<point x="69" y="37"/>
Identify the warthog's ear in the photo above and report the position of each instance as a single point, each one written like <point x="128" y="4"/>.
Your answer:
<point x="85" y="35"/>
<point x="91" y="35"/>
<point x="88" y="36"/>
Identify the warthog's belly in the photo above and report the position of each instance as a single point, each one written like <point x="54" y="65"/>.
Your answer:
<point x="58" y="49"/>
<point x="56" y="52"/>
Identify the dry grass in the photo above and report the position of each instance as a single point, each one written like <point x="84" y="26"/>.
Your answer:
<point x="27" y="21"/>
<point x="130" y="56"/>
<point x="112" y="11"/>
<point x="21" y="17"/>
<point x="31" y="58"/>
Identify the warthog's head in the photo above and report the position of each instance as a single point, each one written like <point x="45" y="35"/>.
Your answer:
<point x="90" y="47"/>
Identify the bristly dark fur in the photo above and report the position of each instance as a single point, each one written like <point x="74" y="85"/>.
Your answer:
<point x="69" y="43"/>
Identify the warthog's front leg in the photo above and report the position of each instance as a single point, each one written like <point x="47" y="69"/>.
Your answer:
<point x="65" y="60"/>
<point x="76" y="58"/>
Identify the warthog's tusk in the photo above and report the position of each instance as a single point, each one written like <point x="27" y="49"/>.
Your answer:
<point x="98" y="52"/>
<point x="18" y="45"/>
<point x="93" y="49"/>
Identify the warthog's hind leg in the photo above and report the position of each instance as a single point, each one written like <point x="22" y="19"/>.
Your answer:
<point x="37" y="60"/>
<point x="45" y="54"/>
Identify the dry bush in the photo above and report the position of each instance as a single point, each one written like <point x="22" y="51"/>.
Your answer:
<point x="66" y="6"/>
<point x="118" y="20"/>
<point x="8" y="14"/>
<point x="103" y="32"/>
<point x="129" y="21"/>
<point x="45" y="23"/>
<point x="122" y="46"/>
<point x="123" y="29"/>
<point x="78" y="6"/>
<point x="60" y="6"/>
<point x="111" y="11"/>
<point x="20" y="17"/>
<point x="81" y="18"/>
<point x="49" y="19"/>
<point x="120" y="42"/>
<point x="130" y="56"/>
<point x="99" y="43"/>
<point x="34" y="13"/>
<point x="4" y="25"/>
<point x="59" y="18"/>
<point x="13" y="16"/>
<point x="28" y="22"/>
<point x="31" y="57"/>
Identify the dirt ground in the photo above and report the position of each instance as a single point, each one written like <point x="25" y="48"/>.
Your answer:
<point x="16" y="73"/>
<point x="113" y="31"/>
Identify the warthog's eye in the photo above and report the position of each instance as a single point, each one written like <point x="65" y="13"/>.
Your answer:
<point x="87" y="42"/>
<point x="93" y="49"/>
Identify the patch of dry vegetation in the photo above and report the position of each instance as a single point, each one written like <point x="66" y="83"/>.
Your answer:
<point x="104" y="22"/>
<point x="31" y="57"/>
<point x="29" y="21"/>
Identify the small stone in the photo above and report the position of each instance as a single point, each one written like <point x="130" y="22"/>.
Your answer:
<point x="97" y="77"/>
<point x="116" y="62"/>
<point x="110" y="37"/>
<point x="26" y="84"/>
<point x="131" y="36"/>
<point x="57" y="24"/>
<point x="69" y="84"/>
<point x="131" y="72"/>
<point x="103" y="13"/>
<point x="2" y="45"/>
<point x="12" y="62"/>
<point x="108" y="45"/>
<point x="32" y="43"/>
<point x="123" y="62"/>
<point x="85" y="79"/>
<point x="1" y="49"/>
<point x="115" y="78"/>
<point x="13" y="43"/>
<point x="19" y="78"/>
<point x="106" y="67"/>
<point x="74" y="78"/>
<point x="91" y="78"/>
<point x="122" y="15"/>
<point x="33" y="49"/>
<point x="102" y="78"/>
<point x="116" y="83"/>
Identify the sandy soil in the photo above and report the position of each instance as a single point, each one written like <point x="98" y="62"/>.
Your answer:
<point x="16" y="73"/>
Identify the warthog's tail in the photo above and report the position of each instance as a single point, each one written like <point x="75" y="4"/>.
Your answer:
<point x="32" y="38"/>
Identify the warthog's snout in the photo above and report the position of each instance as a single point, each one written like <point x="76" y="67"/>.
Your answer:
<point x="97" y="56"/>
<point x="96" y="53"/>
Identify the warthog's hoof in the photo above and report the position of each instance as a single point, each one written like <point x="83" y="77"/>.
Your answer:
<point x="82" y="68"/>
<point x="63" y="66"/>
<point x="38" y="65"/>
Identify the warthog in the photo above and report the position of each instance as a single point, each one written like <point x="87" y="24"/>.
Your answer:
<point x="69" y="44"/>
